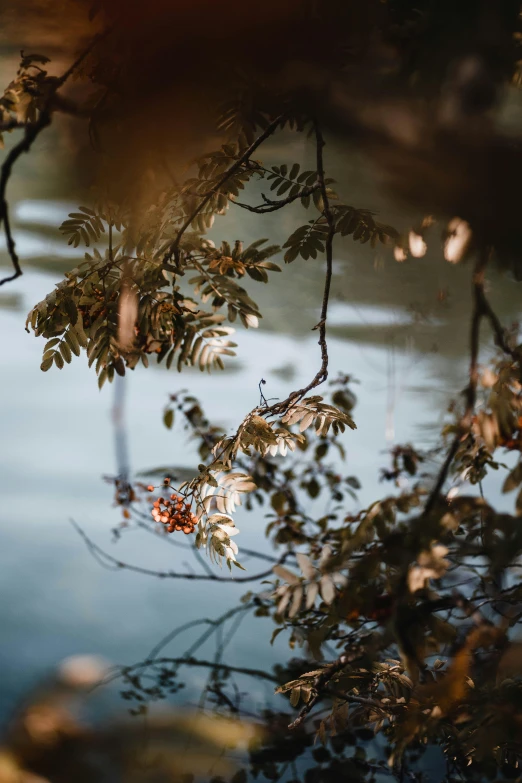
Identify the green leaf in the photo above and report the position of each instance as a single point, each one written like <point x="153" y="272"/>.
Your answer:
<point x="51" y="343"/>
<point x="284" y="187"/>
<point x="65" y="351"/>
<point x="275" y="634"/>
<point x="168" y="418"/>
<point x="47" y="364"/>
<point x="73" y="342"/>
<point x="294" y="171"/>
<point x="295" y="696"/>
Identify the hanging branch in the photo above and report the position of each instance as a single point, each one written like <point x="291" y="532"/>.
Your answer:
<point x="113" y="564"/>
<point x="31" y="133"/>
<point x="322" y="373"/>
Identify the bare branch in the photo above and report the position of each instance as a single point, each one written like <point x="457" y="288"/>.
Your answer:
<point x="258" y="673"/>
<point x="322" y="373"/>
<point x="113" y="564"/>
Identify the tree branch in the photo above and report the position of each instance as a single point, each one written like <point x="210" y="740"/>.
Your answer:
<point x="273" y="206"/>
<point x="113" y="564"/>
<point x="258" y="673"/>
<point x="31" y="132"/>
<point x="480" y="310"/>
<point x="322" y="373"/>
<point x="320" y="686"/>
<point x="173" y="251"/>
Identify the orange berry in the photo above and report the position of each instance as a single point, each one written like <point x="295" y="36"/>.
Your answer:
<point x="150" y="488"/>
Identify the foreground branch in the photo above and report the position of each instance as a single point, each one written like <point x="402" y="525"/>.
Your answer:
<point x="481" y="308"/>
<point x="31" y="133"/>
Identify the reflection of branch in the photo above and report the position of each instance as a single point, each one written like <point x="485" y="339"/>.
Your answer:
<point x="152" y="656"/>
<point x="259" y="673"/>
<point x="173" y="251"/>
<point x="113" y="564"/>
<point x="31" y="132"/>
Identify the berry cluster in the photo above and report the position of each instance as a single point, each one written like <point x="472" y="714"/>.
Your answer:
<point x="175" y="514"/>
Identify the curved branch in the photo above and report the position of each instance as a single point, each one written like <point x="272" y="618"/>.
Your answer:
<point x="258" y="673"/>
<point x="273" y="206"/>
<point x="173" y="251"/>
<point x="322" y="373"/>
<point x="113" y="564"/>
<point x="31" y="132"/>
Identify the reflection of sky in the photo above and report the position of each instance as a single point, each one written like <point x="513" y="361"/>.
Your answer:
<point x="48" y="213"/>
<point x="57" y="441"/>
<point x="31" y="245"/>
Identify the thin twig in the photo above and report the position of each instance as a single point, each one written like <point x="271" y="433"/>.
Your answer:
<point x="322" y="373"/>
<point x="273" y="206"/>
<point x="113" y="564"/>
